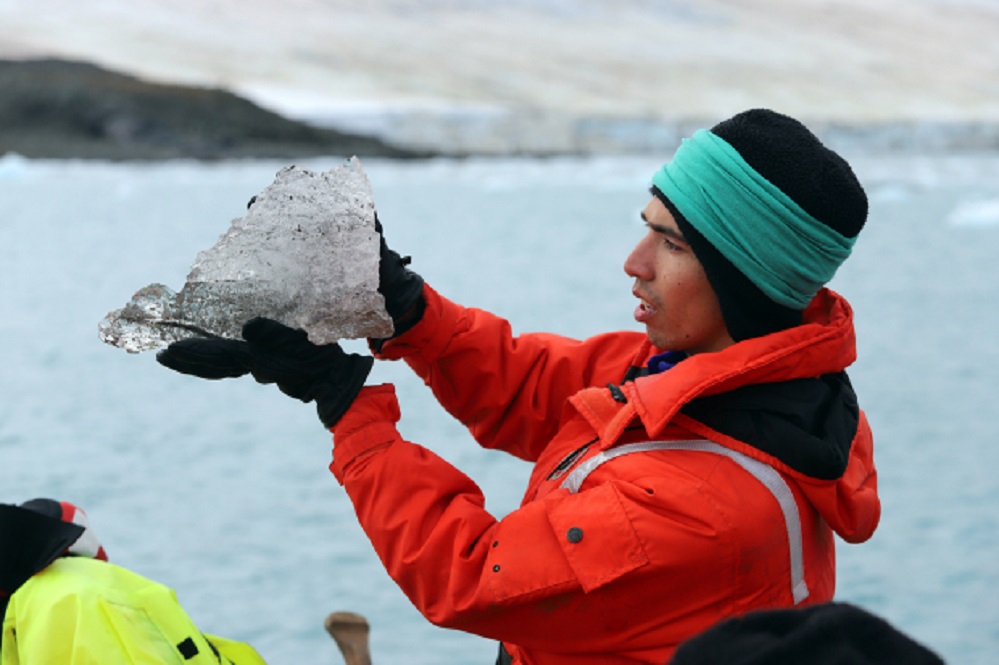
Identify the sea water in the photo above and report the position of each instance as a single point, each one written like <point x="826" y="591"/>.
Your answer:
<point x="221" y="489"/>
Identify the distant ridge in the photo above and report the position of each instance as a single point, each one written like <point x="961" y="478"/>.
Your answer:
<point x="63" y="109"/>
<point x="51" y="108"/>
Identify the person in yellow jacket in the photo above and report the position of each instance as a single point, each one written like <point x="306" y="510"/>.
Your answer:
<point x="63" y="602"/>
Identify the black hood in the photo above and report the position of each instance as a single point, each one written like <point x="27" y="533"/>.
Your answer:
<point x="29" y="541"/>
<point x="807" y="424"/>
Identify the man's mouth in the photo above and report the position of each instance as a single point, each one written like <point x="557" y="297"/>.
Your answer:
<point x="645" y="310"/>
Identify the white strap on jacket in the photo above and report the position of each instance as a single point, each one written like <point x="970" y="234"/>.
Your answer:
<point x="763" y="472"/>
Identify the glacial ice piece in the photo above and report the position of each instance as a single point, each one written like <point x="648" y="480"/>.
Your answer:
<point x="306" y="254"/>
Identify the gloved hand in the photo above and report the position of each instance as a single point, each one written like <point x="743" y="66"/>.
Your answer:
<point x="274" y="353"/>
<point x="401" y="287"/>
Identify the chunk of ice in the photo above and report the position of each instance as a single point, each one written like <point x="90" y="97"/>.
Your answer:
<point x="306" y="254"/>
<point x="976" y="213"/>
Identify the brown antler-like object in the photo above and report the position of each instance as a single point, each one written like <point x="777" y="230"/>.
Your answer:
<point x="350" y="632"/>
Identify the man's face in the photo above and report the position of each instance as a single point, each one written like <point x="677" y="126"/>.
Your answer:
<point x="678" y="306"/>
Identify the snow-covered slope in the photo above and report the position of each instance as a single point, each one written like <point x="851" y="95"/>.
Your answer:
<point x="836" y="60"/>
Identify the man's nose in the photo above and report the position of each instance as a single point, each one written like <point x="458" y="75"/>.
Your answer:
<point x="637" y="263"/>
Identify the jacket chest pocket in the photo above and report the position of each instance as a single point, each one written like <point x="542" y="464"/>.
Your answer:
<point x="563" y="542"/>
<point x="597" y="538"/>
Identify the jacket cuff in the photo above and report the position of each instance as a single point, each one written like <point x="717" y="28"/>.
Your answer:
<point x="367" y="426"/>
<point x="429" y="336"/>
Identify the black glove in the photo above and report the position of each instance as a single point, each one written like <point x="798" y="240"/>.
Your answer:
<point x="401" y="287"/>
<point x="275" y="353"/>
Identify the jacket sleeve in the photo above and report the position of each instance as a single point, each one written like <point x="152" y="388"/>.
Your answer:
<point x="508" y="390"/>
<point x="545" y="571"/>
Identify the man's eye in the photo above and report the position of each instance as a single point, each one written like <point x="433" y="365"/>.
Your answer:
<point x="670" y="245"/>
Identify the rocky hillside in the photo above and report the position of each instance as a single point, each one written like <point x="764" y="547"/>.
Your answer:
<point x="60" y="109"/>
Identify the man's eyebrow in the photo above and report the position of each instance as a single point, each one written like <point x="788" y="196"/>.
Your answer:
<point x="665" y="230"/>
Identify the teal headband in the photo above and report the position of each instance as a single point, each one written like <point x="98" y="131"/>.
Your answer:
<point x="784" y="251"/>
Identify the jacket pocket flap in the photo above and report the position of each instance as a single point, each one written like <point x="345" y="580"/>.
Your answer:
<point x="599" y="541"/>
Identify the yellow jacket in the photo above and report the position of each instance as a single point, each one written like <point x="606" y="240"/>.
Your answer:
<point x="82" y="611"/>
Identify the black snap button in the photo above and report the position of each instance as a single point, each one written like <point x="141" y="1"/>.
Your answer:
<point x="495" y="543"/>
<point x="496" y="568"/>
<point x="574" y="535"/>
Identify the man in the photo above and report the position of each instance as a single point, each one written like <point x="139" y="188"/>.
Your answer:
<point x="682" y="476"/>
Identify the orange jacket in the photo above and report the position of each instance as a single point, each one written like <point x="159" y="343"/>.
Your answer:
<point x="622" y="548"/>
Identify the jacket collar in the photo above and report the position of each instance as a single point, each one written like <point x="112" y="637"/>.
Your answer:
<point x="825" y="342"/>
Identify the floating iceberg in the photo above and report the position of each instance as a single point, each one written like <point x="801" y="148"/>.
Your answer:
<point x="976" y="213"/>
<point x="305" y="254"/>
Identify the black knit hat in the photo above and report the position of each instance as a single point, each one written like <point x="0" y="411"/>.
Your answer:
<point x="826" y="634"/>
<point x="792" y="158"/>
